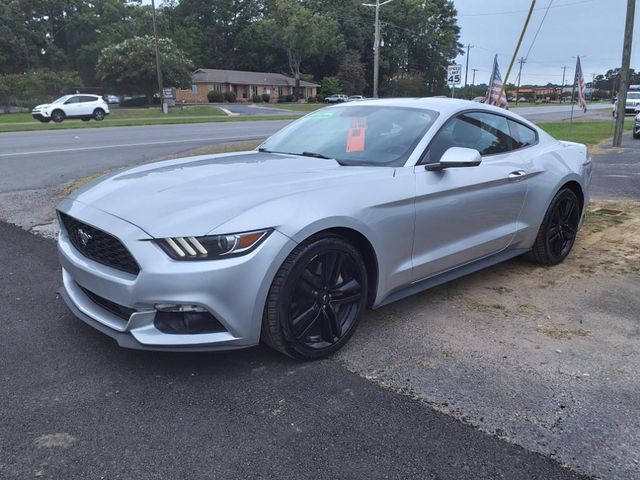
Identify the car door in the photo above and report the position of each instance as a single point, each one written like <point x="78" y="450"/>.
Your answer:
<point x="464" y="214"/>
<point x="72" y="106"/>
<point x="87" y="105"/>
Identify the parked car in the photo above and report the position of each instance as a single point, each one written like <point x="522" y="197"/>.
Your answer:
<point x="636" y="125"/>
<point x="633" y="101"/>
<point x="112" y="99"/>
<point x="82" y="106"/>
<point x="338" y="98"/>
<point x="355" y="98"/>
<point x="350" y="207"/>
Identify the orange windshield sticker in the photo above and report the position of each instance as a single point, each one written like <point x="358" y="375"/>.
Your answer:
<point x="355" y="140"/>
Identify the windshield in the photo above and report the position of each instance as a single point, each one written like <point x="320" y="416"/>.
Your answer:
<point x="62" y="99"/>
<point x="362" y="135"/>
<point x="633" y="96"/>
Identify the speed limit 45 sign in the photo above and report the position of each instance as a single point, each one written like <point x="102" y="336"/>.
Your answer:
<point x="454" y="75"/>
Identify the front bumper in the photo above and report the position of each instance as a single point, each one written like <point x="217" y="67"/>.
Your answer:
<point x="40" y="116"/>
<point x="233" y="290"/>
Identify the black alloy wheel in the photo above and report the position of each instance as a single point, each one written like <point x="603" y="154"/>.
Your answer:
<point x="558" y="231"/>
<point x="316" y="300"/>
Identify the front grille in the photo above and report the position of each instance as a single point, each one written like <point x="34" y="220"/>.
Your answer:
<point x="109" y="306"/>
<point x="99" y="246"/>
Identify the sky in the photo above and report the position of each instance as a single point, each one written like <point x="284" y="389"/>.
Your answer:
<point x="593" y="29"/>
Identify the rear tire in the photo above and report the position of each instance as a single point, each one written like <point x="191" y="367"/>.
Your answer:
<point x="98" y="114"/>
<point x="558" y="231"/>
<point x="58" y="116"/>
<point x="316" y="299"/>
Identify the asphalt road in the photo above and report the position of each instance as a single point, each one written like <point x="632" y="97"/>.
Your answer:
<point x="75" y="406"/>
<point x="616" y="172"/>
<point x="40" y="159"/>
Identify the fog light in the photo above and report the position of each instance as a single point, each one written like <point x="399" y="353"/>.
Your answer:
<point x="185" y="320"/>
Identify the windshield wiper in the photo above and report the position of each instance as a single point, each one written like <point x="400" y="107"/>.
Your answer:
<point x="316" y="155"/>
<point x="264" y="150"/>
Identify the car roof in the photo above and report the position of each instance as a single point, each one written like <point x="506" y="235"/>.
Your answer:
<point x="444" y="105"/>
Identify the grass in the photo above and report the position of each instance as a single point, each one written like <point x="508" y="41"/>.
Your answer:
<point x="296" y="107"/>
<point x="587" y="132"/>
<point x="15" y="122"/>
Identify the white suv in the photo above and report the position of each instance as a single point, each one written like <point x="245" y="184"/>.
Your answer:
<point x="83" y="106"/>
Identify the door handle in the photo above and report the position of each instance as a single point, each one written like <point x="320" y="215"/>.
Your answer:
<point x="517" y="174"/>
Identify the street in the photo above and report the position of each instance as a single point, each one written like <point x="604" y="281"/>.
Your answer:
<point x="43" y="159"/>
<point x="34" y="160"/>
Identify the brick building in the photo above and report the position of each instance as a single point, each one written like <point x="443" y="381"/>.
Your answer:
<point x="243" y="84"/>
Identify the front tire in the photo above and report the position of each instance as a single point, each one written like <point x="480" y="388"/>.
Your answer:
<point x="558" y="231"/>
<point x="316" y="299"/>
<point x="57" y="116"/>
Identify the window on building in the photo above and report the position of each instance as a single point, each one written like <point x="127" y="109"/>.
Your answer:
<point x="280" y="91"/>
<point x="254" y="90"/>
<point x="217" y="87"/>
<point x="194" y="89"/>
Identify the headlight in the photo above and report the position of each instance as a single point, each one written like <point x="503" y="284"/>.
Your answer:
<point x="214" y="246"/>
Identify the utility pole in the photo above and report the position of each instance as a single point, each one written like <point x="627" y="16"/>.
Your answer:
<point x="515" y="52"/>
<point x="473" y="82"/>
<point x="158" y="69"/>
<point x="564" y="72"/>
<point x="522" y="61"/>
<point x="376" y="43"/>
<point x="624" y="73"/>
<point x="466" y="70"/>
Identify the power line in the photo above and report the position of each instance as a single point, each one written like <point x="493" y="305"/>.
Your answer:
<point x="535" y="37"/>
<point x="512" y="12"/>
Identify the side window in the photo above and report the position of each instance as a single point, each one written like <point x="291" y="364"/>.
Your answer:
<point x="495" y="137"/>
<point x="485" y="132"/>
<point x="523" y="136"/>
<point x="75" y="99"/>
<point x="87" y="98"/>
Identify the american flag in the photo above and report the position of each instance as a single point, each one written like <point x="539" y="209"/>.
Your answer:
<point x="495" y="87"/>
<point x="582" y="103"/>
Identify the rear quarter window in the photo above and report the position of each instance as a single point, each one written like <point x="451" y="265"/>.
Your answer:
<point x="522" y="135"/>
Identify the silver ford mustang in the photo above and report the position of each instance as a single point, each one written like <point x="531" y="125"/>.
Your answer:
<point x="350" y="207"/>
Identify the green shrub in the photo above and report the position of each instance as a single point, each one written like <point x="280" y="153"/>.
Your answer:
<point x="256" y="99"/>
<point x="319" y="98"/>
<point x="215" y="97"/>
<point x="229" y="97"/>
<point x="37" y="86"/>
<point x="266" y="98"/>
<point x="311" y="100"/>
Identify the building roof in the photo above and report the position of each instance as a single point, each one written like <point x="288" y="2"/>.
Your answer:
<point x="238" y="77"/>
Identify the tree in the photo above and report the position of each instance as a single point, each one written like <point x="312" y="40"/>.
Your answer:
<point x="130" y="67"/>
<point x="351" y="74"/>
<point x="303" y="34"/>
<point x="330" y="86"/>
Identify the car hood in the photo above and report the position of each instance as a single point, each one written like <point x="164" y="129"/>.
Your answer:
<point x="40" y="107"/>
<point x="193" y="196"/>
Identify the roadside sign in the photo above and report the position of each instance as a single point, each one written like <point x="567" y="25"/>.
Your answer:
<point x="168" y="93"/>
<point x="454" y="75"/>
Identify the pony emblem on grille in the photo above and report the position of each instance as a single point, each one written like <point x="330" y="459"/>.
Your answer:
<point x="85" y="238"/>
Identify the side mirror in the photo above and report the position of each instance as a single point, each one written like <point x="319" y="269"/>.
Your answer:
<point x="456" y="157"/>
